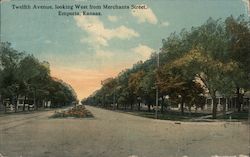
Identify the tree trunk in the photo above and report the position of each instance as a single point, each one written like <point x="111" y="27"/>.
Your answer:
<point x="148" y="108"/>
<point x="189" y="109"/>
<point x="162" y="104"/>
<point x="224" y="108"/>
<point x="117" y="106"/>
<point x="182" y="106"/>
<point x="131" y="106"/>
<point x="139" y="106"/>
<point x="4" y="105"/>
<point x="16" y="103"/>
<point x="238" y="104"/>
<point x="35" y="105"/>
<point x="5" y="109"/>
<point x="214" y="114"/>
<point x="25" y="97"/>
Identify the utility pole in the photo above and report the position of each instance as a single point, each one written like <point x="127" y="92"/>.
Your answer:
<point x="157" y="89"/>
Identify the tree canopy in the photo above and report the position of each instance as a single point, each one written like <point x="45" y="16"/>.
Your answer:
<point x="210" y="58"/>
<point x="23" y="75"/>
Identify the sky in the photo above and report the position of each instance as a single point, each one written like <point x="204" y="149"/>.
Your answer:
<point x="83" y="50"/>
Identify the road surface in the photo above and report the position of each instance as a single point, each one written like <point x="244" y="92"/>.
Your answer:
<point x="113" y="134"/>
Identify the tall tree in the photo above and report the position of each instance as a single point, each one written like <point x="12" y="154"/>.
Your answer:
<point x="134" y="85"/>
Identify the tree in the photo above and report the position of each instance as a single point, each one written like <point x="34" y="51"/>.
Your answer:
<point x="61" y="93"/>
<point x="148" y="88"/>
<point x="213" y="57"/>
<point x="109" y="89"/>
<point x="24" y="75"/>
<point x="238" y="34"/>
<point x="33" y="77"/>
<point x="134" y="85"/>
<point x="211" y="72"/>
<point x="9" y="61"/>
<point x="204" y="53"/>
<point x="175" y="81"/>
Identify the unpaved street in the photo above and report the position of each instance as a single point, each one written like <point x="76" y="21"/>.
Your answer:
<point x="112" y="134"/>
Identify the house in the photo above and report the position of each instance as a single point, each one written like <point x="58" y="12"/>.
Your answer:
<point x="23" y="102"/>
<point x="230" y="103"/>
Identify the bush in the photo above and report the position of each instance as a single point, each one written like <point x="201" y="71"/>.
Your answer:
<point x="75" y="112"/>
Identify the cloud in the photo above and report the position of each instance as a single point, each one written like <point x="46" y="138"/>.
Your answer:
<point x="164" y="24"/>
<point x="2" y="1"/>
<point x="145" y="15"/>
<point x="98" y="34"/>
<point x="247" y="4"/>
<point x="112" y="18"/>
<point x="143" y="50"/>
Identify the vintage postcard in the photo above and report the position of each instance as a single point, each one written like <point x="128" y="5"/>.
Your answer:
<point x="124" y="78"/>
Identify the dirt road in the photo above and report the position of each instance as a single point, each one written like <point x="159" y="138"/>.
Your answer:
<point x="112" y="134"/>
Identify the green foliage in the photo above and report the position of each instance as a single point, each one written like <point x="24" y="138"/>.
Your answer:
<point x="213" y="57"/>
<point x="24" y="75"/>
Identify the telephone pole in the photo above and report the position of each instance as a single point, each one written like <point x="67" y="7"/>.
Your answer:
<point x="157" y="89"/>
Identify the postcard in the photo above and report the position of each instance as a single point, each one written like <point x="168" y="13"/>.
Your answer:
<point x="124" y="78"/>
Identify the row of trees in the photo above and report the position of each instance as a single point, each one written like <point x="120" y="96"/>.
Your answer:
<point x="23" y="75"/>
<point x="205" y="60"/>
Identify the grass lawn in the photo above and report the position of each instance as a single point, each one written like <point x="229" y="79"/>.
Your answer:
<point x="170" y="115"/>
<point x="176" y="115"/>
<point x="235" y="115"/>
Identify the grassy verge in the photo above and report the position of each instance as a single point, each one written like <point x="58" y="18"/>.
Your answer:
<point x="170" y="115"/>
<point x="235" y="115"/>
<point x="176" y="116"/>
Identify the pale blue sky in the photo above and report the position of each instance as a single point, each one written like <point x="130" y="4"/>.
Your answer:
<point x="65" y="41"/>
